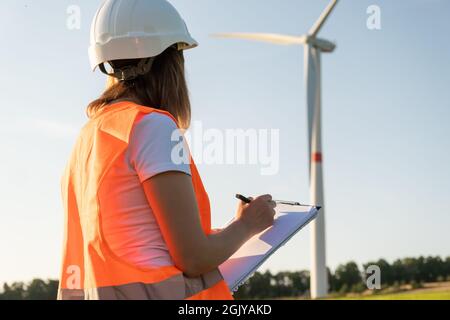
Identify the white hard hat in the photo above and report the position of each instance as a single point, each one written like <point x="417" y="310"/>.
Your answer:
<point x="136" y="29"/>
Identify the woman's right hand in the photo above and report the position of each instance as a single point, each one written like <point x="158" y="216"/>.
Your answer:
<point x="193" y="251"/>
<point x="258" y="215"/>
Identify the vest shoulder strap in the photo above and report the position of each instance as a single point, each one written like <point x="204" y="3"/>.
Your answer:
<point x="118" y="119"/>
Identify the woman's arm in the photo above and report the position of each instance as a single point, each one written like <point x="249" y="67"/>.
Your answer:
<point x="172" y="198"/>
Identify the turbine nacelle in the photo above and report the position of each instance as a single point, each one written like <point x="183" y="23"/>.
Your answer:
<point x="322" y="44"/>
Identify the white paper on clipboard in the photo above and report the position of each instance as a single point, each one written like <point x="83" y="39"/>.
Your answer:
<point x="288" y="221"/>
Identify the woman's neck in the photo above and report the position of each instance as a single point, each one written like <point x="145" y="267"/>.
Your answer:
<point x="126" y="99"/>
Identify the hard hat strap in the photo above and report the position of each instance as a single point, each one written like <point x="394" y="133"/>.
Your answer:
<point x="130" y="72"/>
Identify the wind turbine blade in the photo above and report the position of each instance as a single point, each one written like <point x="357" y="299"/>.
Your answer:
<point x="279" y="39"/>
<point x="319" y="24"/>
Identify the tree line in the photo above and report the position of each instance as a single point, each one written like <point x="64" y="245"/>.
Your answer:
<point x="35" y="290"/>
<point x="346" y="278"/>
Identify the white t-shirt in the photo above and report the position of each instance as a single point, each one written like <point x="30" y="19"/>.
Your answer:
<point x="128" y="223"/>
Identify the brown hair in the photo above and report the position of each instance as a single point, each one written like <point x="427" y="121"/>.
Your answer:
<point x="164" y="87"/>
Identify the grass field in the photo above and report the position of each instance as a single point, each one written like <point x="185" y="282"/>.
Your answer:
<point x="432" y="291"/>
<point x="426" y="295"/>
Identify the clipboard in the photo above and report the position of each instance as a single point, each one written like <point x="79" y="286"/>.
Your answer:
<point x="289" y="220"/>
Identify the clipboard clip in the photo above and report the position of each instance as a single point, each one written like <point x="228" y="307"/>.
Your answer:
<point x="293" y="203"/>
<point x="288" y="203"/>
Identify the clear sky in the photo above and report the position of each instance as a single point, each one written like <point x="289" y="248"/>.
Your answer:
<point x="386" y="112"/>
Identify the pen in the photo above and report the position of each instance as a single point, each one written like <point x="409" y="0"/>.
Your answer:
<point x="289" y="203"/>
<point x="243" y="199"/>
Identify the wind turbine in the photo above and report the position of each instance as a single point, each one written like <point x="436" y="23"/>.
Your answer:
<point x="314" y="46"/>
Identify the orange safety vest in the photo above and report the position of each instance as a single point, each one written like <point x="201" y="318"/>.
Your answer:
<point x="90" y="270"/>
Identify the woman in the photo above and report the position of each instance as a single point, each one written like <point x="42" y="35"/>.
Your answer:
<point x="138" y="221"/>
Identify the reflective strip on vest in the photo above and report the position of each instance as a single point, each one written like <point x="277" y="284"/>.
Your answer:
<point x="176" y="288"/>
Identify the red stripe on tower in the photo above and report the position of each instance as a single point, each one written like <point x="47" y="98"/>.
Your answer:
<point x="317" y="157"/>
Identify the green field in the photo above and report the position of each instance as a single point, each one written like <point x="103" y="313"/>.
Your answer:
<point x="414" y="295"/>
